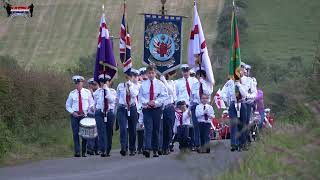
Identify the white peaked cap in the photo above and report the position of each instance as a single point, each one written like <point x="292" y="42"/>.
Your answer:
<point x="77" y="77"/>
<point x="102" y="76"/>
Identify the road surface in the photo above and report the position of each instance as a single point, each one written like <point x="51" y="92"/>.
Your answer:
<point x="187" y="166"/>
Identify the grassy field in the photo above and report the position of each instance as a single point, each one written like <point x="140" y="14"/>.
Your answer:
<point x="62" y="31"/>
<point x="280" y="29"/>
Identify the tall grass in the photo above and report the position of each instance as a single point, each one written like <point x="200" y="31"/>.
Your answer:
<point x="32" y="114"/>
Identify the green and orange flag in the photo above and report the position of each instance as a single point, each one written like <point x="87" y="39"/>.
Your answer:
<point x="235" y="58"/>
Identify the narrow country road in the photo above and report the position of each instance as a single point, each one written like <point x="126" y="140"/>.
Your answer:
<point x="175" y="166"/>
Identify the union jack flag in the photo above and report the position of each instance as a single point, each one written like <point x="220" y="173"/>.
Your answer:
<point x="125" y="46"/>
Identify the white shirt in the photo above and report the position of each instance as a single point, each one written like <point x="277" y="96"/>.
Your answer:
<point x="90" y="110"/>
<point x="171" y="88"/>
<point x="99" y="98"/>
<point x="203" y="109"/>
<point x="72" y="104"/>
<point x="207" y="89"/>
<point x="138" y="85"/>
<point x="122" y="92"/>
<point x="228" y="92"/>
<point x="251" y="87"/>
<point x="181" y="89"/>
<point x="186" y="119"/>
<point x="160" y="93"/>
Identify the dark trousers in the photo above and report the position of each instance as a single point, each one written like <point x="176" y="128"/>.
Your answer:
<point x="140" y="134"/>
<point x="204" y="133"/>
<point x="183" y="136"/>
<point x="168" y="122"/>
<point x="105" y="130"/>
<point x="191" y="135"/>
<point x="195" y="126"/>
<point x="75" y="123"/>
<point x="236" y="124"/>
<point x="130" y="122"/>
<point x="151" y="120"/>
<point x="92" y="144"/>
<point x="246" y="125"/>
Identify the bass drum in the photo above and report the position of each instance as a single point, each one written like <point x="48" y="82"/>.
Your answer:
<point x="88" y="128"/>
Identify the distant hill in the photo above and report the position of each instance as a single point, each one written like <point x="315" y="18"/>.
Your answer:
<point x="281" y="29"/>
<point x="62" y="31"/>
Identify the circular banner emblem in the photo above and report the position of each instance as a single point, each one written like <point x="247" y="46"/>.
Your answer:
<point x="162" y="47"/>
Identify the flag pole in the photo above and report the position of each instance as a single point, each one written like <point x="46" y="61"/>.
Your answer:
<point x="104" y="76"/>
<point x="198" y="56"/>
<point x="125" y="37"/>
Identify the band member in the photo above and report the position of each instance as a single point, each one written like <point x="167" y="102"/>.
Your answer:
<point x="200" y="87"/>
<point x="104" y="114"/>
<point x="92" y="144"/>
<point x="127" y="114"/>
<point x="192" y="73"/>
<point x="260" y="106"/>
<point x="8" y="7"/>
<point x="204" y="114"/>
<point x="183" y="93"/>
<point x="225" y="121"/>
<point x="269" y="119"/>
<point x="78" y="104"/>
<point x="168" y="112"/>
<point x="250" y="84"/>
<point x="237" y="110"/>
<point x="152" y="95"/>
<point x="181" y="125"/>
<point x="140" y="126"/>
<point x="184" y="85"/>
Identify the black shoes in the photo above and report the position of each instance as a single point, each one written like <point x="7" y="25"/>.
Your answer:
<point x="146" y="153"/>
<point x="245" y="148"/>
<point x="208" y="150"/>
<point x="166" y="152"/>
<point x="91" y="153"/>
<point x="160" y="152"/>
<point x="77" y="155"/>
<point x="103" y="155"/>
<point x="132" y="153"/>
<point x="155" y="154"/>
<point x="234" y="148"/>
<point x="140" y="151"/>
<point x="108" y="153"/>
<point x="123" y="153"/>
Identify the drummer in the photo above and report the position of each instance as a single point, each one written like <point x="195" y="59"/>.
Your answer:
<point x="78" y="104"/>
<point x="104" y="114"/>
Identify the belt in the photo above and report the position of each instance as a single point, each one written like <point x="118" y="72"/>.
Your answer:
<point x="240" y="101"/>
<point x="152" y="108"/>
<point x="101" y="111"/>
<point x="125" y="106"/>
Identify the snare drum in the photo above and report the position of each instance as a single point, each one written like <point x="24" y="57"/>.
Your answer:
<point x="88" y="128"/>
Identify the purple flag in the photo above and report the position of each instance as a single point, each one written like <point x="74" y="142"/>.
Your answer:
<point x="105" y="61"/>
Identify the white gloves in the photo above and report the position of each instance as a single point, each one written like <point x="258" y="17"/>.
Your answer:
<point x="163" y="79"/>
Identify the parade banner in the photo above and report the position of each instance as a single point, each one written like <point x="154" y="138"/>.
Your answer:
<point x="162" y="41"/>
<point x="105" y="60"/>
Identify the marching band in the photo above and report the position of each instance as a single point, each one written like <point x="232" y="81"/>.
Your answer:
<point x="155" y="111"/>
